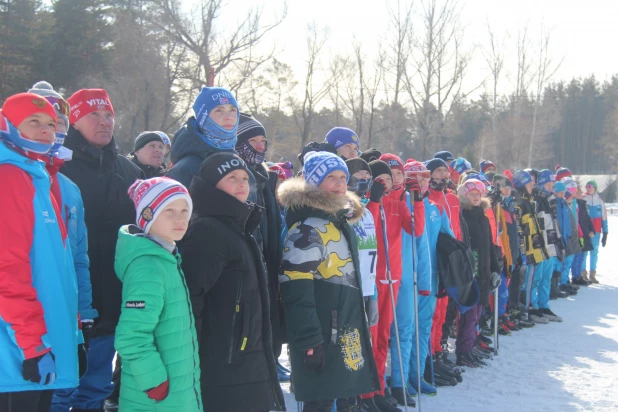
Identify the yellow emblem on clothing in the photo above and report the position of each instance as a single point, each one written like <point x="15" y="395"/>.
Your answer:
<point x="331" y="233"/>
<point x="332" y="266"/>
<point x="352" y="350"/>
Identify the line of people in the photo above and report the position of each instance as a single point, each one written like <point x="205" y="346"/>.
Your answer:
<point x="193" y="261"/>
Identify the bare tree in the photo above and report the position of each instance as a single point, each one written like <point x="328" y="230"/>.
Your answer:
<point x="212" y="49"/>
<point x="399" y="46"/>
<point x="434" y="78"/>
<point x="338" y="71"/>
<point x="315" y="88"/>
<point x="372" y="86"/>
<point x="546" y="68"/>
<point x="493" y="54"/>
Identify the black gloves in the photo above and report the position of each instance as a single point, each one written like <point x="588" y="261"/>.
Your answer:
<point x="88" y="330"/>
<point x="377" y="190"/>
<point x="494" y="281"/>
<point x="314" y="359"/>
<point x="495" y="195"/>
<point x="413" y="187"/>
<point x="41" y="370"/>
<point x="604" y="239"/>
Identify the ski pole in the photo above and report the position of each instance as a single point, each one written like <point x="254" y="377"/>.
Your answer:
<point x="496" y="341"/>
<point x="415" y="280"/>
<point x="390" y="285"/>
<point x="433" y="377"/>
<point x="496" y="344"/>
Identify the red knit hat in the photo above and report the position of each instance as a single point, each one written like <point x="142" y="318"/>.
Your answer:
<point x="20" y="106"/>
<point x="471" y="186"/>
<point x="393" y="161"/>
<point x="86" y="101"/>
<point x="279" y="170"/>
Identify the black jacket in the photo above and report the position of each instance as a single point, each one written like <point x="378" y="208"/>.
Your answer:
<point x="585" y="223"/>
<point x="226" y="276"/>
<point x="149" y="171"/>
<point x="481" y="243"/>
<point x="268" y="235"/>
<point x="103" y="177"/>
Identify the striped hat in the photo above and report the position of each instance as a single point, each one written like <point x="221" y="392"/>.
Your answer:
<point x="248" y="128"/>
<point x="151" y="196"/>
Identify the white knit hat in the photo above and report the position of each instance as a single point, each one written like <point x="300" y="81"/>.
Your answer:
<point x="151" y="196"/>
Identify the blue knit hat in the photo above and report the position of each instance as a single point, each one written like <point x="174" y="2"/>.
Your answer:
<point x="559" y="187"/>
<point x="318" y="165"/>
<point x="544" y="176"/>
<point x="478" y="176"/>
<point x="521" y="178"/>
<point x="215" y="135"/>
<point x="433" y="164"/>
<point x="208" y="99"/>
<point x="461" y="165"/>
<point x="444" y="155"/>
<point x="341" y="136"/>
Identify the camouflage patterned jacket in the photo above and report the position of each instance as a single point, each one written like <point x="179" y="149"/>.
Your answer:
<point x="320" y="286"/>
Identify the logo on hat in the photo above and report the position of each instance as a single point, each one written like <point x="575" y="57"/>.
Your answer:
<point x="224" y="100"/>
<point x="147" y="214"/>
<point x="40" y="103"/>
<point x="355" y="138"/>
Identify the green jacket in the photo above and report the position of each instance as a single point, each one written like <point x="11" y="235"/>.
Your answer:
<point x="320" y="284"/>
<point x="155" y="336"/>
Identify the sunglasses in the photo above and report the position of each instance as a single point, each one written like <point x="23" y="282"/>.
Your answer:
<point x="60" y="105"/>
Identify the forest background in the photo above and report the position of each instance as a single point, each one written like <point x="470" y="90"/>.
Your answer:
<point x="415" y="94"/>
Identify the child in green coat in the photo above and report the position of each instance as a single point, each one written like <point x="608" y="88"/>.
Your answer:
<point x="156" y="335"/>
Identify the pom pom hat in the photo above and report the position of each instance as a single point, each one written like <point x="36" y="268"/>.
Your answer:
<point x="470" y="186"/>
<point x="151" y="196"/>
<point x="318" y="165"/>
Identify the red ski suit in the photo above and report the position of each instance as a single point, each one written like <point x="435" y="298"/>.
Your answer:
<point x="397" y="218"/>
<point x="450" y="204"/>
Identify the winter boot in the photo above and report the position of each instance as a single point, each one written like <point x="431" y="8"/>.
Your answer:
<point x="446" y="373"/>
<point x="567" y="290"/>
<point x="426" y="388"/>
<point x="537" y="317"/>
<point x="399" y="393"/>
<point x="593" y="276"/>
<point x="384" y="405"/>
<point x="481" y="354"/>
<point x="451" y="365"/>
<point x="467" y="360"/>
<point x="484" y="339"/>
<point x="368" y="405"/>
<point x="585" y="276"/>
<point x="579" y="281"/>
<point x="547" y="313"/>
<point x="554" y="290"/>
<point x="389" y="396"/>
<point x="442" y="380"/>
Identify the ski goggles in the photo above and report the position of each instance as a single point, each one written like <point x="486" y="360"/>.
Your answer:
<point x="61" y="105"/>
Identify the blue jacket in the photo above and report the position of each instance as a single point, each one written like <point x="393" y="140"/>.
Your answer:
<point x="53" y="278"/>
<point x="73" y="217"/>
<point x="426" y="255"/>
<point x="597" y="212"/>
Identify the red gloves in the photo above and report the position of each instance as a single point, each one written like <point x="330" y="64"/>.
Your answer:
<point x="160" y="392"/>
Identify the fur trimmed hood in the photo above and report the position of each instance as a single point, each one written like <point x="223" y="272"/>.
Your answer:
<point x="465" y="203"/>
<point x="295" y="194"/>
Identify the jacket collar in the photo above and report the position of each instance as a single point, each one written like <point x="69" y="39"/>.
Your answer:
<point x="210" y="201"/>
<point x="85" y="151"/>
<point x="304" y="200"/>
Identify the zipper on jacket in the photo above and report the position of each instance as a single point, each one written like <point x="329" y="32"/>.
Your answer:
<point x="191" y="325"/>
<point x="234" y="316"/>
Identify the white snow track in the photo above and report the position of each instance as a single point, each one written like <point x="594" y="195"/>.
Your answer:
<point x="562" y="367"/>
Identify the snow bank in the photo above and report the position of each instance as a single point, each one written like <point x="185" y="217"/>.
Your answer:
<point x="569" y="366"/>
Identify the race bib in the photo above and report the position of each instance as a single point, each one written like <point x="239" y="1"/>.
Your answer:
<point x="368" y="264"/>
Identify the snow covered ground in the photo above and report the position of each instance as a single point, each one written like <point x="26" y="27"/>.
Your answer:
<point x="569" y="366"/>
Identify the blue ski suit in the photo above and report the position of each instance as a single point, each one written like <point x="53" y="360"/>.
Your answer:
<point x="426" y="265"/>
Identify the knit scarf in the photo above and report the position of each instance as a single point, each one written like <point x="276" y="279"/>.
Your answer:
<point x="214" y="135"/>
<point x="249" y="154"/>
<point x="440" y="185"/>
